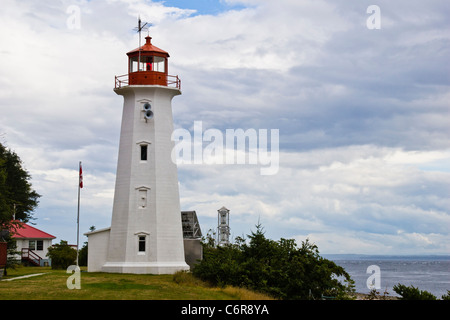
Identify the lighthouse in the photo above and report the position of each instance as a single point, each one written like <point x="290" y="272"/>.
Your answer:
<point x="146" y="231"/>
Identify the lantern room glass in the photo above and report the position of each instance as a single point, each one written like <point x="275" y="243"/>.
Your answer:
<point x="148" y="63"/>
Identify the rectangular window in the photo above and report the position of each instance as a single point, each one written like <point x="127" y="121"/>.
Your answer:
<point x="144" y="150"/>
<point x="159" y="64"/>
<point x="40" y="245"/>
<point x="134" y="65"/>
<point x="141" y="243"/>
<point x="148" y="63"/>
<point x="223" y="219"/>
<point x="32" y="245"/>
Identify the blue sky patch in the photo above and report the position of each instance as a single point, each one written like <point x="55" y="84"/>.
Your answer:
<point x="203" y="7"/>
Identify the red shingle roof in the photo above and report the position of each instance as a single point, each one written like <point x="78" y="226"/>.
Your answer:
<point x="27" y="231"/>
<point x="148" y="47"/>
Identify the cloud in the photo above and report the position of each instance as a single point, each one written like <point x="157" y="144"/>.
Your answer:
<point x="366" y="190"/>
<point x="254" y="38"/>
<point x="367" y="243"/>
<point x="339" y="82"/>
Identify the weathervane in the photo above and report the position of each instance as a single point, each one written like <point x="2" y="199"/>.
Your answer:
<point x="139" y="28"/>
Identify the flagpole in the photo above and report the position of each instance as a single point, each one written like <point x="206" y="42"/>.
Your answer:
<point x="80" y="177"/>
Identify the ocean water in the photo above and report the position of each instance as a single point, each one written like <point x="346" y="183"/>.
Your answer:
<point x="430" y="273"/>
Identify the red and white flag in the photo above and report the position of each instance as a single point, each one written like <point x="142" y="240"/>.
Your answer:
<point x="81" y="176"/>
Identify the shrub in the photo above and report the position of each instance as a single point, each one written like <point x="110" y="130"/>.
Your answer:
<point x="412" y="293"/>
<point x="62" y="255"/>
<point x="278" y="268"/>
<point x="83" y="255"/>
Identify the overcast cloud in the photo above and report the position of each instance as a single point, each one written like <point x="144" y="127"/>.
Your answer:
<point x="363" y="114"/>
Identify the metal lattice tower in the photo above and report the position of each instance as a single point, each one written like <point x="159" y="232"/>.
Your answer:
<point x="223" y="226"/>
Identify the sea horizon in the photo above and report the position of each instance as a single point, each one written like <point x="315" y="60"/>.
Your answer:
<point x="426" y="272"/>
<point x="363" y="256"/>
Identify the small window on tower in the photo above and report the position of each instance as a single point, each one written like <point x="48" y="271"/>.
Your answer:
<point x="144" y="150"/>
<point x="223" y="219"/>
<point x="141" y="243"/>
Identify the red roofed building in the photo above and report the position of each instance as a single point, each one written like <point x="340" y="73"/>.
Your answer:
<point x="32" y="243"/>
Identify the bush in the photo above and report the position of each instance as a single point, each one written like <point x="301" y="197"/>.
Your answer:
<point x="278" y="268"/>
<point x="62" y="255"/>
<point x="83" y="255"/>
<point x="412" y="293"/>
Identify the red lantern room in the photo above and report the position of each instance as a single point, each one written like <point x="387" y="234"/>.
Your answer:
<point x="148" y="65"/>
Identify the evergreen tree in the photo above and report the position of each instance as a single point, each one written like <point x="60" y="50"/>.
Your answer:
<point x="278" y="268"/>
<point x="4" y="209"/>
<point x="16" y="193"/>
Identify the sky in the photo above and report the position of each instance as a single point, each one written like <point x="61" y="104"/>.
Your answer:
<point x="360" y="97"/>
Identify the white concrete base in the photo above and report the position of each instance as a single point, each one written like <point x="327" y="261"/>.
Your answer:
<point x="145" y="267"/>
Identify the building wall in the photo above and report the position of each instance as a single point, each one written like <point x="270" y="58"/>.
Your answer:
<point x="24" y="243"/>
<point x="193" y="251"/>
<point x="97" y="249"/>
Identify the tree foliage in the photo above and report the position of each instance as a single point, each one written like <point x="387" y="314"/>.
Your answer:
<point x="16" y="197"/>
<point x="16" y="192"/>
<point x="279" y="268"/>
<point x="412" y="293"/>
<point x="62" y="255"/>
<point x="446" y="296"/>
<point x="83" y="255"/>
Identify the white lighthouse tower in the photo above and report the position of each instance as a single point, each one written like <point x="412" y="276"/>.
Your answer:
<point x="146" y="231"/>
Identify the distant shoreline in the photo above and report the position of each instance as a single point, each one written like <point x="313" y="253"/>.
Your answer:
<point x="344" y="256"/>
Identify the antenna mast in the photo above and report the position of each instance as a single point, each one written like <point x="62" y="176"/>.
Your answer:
<point x="139" y="28"/>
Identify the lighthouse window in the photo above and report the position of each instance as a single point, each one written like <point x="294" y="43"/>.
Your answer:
<point x="134" y="64"/>
<point x="152" y="63"/>
<point x="144" y="151"/>
<point x="148" y="63"/>
<point x="141" y="243"/>
<point x="158" y="64"/>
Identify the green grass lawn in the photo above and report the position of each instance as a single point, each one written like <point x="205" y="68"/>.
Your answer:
<point x="112" y="286"/>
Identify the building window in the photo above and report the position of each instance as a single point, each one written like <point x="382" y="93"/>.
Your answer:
<point x="40" y="245"/>
<point x="148" y="63"/>
<point x="141" y="243"/>
<point x="159" y="64"/>
<point x="144" y="151"/>
<point x="32" y="244"/>
<point x="223" y="218"/>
